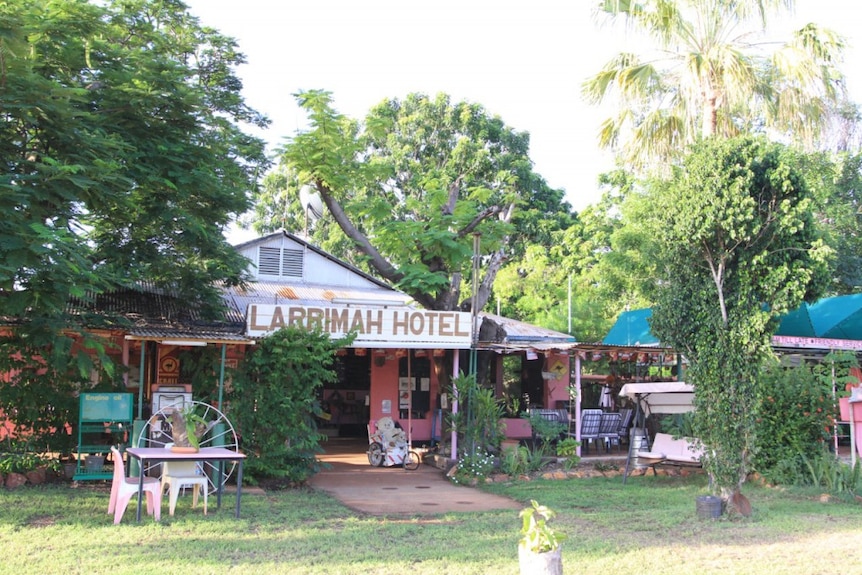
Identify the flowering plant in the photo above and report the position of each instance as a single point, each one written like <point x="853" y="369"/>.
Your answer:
<point x="473" y="467"/>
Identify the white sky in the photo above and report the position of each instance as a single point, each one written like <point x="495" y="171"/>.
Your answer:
<point x="522" y="60"/>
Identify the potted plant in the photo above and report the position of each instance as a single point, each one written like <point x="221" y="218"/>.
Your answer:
<point x="188" y="428"/>
<point x="539" y="549"/>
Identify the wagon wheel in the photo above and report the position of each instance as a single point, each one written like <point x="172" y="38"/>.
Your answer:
<point x="412" y="461"/>
<point x="375" y="454"/>
<point x="224" y="437"/>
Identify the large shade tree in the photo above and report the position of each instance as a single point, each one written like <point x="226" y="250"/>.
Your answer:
<point x="431" y="195"/>
<point x="124" y="158"/>
<point x="738" y="249"/>
<point x="707" y="68"/>
<point x="123" y="151"/>
<point x="411" y="186"/>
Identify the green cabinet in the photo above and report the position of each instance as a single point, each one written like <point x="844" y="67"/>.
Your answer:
<point x="104" y="419"/>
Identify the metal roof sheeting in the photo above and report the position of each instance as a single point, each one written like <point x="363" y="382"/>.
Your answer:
<point x="498" y="333"/>
<point x="264" y="292"/>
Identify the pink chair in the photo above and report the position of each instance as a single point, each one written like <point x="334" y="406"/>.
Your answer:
<point x="124" y="488"/>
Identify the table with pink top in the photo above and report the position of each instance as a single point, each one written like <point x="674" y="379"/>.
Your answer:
<point x="154" y="455"/>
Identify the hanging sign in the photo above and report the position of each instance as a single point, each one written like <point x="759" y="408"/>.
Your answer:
<point x="375" y="327"/>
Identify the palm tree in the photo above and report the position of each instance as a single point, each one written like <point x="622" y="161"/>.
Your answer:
<point x="714" y="72"/>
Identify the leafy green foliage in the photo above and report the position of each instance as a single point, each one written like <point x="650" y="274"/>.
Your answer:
<point x="479" y="420"/>
<point x="20" y="456"/>
<point x="515" y="460"/>
<point x="836" y="182"/>
<point x="567" y="447"/>
<point x="123" y="154"/>
<point x="473" y="467"/>
<point x="708" y="68"/>
<point x="274" y="400"/>
<point x="409" y="187"/>
<point x="823" y="469"/>
<point x="794" y="418"/>
<point x="544" y="430"/>
<point x="41" y="396"/>
<point x="738" y="248"/>
<point x="536" y="535"/>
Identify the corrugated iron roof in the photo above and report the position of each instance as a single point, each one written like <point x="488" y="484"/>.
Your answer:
<point x="263" y="292"/>
<point x="187" y="334"/>
<point x="156" y="313"/>
<point x="504" y="334"/>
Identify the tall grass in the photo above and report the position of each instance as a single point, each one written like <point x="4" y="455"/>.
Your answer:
<point x="648" y="525"/>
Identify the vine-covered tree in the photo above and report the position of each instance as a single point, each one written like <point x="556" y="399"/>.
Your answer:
<point x="738" y="249"/>
<point x="714" y="71"/>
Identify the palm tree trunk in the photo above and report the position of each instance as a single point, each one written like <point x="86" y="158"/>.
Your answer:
<point x="710" y="114"/>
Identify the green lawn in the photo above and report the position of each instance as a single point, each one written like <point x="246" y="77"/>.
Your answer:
<point x="647" y="526"/>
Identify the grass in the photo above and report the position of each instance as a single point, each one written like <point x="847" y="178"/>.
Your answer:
<point x="646" y="526"/>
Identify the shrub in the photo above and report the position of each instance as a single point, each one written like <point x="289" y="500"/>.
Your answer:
<point x="274" y="402"/>
<point x="794" y="418"/>
<point x="825" y="470"/>
<point x="545" y="430"/>
<point x="479" y="420"/>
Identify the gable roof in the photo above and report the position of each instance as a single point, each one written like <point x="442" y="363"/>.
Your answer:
<point x="248" y="247"/>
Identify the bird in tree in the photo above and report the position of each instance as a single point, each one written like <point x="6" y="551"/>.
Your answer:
<point x="713" y="71"/>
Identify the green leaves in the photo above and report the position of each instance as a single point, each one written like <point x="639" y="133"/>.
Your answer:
<point x="536" y="535"/>
<point x="707" y="69"/>
<point x="274" y="400"/>
<point x="738" y="248"/>
<point x="411" y="185"/>
<point x="123" y="154"/>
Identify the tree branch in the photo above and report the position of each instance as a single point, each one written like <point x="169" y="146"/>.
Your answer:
<point x="380" y="264"/>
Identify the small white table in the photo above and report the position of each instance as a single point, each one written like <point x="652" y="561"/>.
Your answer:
<point x="154" y="455"/>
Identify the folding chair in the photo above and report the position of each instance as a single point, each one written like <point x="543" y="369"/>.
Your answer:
<point x="590" y="422"/>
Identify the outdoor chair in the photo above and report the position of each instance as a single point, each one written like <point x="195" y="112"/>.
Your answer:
<point x="625" y="422"/>
<point x="124" y="488"/>
<point x="177" y="475"/>
<point x="609" y="430"/>
<point x="590" y="422"/>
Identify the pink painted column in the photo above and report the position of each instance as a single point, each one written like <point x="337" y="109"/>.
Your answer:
<point x="851" y="412"/>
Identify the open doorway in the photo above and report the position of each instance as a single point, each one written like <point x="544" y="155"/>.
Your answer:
<point x="345" y="402"/>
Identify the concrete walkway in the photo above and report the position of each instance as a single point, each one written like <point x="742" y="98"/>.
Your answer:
<point x="393" y="490"/>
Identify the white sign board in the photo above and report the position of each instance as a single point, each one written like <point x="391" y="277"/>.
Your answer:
<point x="377" y="327"/>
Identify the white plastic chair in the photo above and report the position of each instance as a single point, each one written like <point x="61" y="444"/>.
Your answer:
<point x="179" y="474"/>
<point x="124" y="488"/>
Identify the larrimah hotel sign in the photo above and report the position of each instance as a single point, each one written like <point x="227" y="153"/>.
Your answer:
<point x="385" y="327"/>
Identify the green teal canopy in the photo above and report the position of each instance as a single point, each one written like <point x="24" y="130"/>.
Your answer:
<point x="797" y="323"/>
<point x="632" y="329"/>
<point x="838" y="317"/>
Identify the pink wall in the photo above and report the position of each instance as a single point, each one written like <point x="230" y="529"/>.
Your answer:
<point x="384" y="387"/>
<point x="556" y="388"/>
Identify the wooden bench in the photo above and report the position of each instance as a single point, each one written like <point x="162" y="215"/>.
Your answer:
<point x="666" y="450"/>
